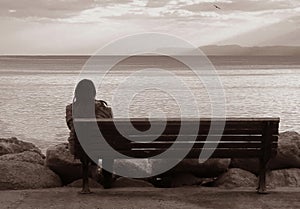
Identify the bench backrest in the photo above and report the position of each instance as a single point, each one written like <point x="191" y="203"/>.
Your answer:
<point x="230" y="137"/>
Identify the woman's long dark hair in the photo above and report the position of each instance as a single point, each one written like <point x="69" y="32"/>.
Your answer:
<point x="84" y="99"/>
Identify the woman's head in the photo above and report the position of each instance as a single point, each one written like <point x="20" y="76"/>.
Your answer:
<point x="85" y="91"/>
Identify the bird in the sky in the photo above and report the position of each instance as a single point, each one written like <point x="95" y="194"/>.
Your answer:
<point x="217" y="6"/>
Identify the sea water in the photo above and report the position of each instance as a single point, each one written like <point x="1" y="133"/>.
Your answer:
<point x="34" y="91"/>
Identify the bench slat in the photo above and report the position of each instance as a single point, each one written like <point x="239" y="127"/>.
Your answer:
<point x="121" y="143"/>
<point x="178" y="120"/>
<point x="199" y="145"/>
<point x="127" y="146"/>
<point x="168" y="138"/>
<point x="231" y="127"/>
<point x="175" y="131"/>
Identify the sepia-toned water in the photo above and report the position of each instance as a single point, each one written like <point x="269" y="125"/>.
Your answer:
<point x="35" y="90"/>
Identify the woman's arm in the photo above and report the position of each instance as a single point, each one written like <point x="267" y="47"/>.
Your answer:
<point x="69" y="119"/>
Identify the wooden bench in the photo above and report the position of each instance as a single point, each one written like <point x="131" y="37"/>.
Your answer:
<point x="240" y="138"/>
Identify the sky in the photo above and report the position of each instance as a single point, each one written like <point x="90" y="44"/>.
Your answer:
<point x="84" y="26"/>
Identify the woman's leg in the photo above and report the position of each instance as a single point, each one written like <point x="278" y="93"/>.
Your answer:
<point x="85" y="175"/>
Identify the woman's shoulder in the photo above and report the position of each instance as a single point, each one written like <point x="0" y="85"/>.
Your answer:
<point x="102" y="109"/>
<point x="100" y="103"/>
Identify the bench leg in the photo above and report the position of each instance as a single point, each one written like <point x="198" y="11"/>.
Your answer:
<point x="107" y="176"/>
<point x="262" y="188"/>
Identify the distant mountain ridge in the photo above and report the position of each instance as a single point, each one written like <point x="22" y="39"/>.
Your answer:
<point x="236" y="50"/>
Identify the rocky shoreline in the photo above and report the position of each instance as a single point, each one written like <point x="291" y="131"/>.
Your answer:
<point x="23" y="166"/>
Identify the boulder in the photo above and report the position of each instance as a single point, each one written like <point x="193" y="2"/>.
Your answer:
<point x="26" y="156"/>
<point x="288" y="155"/>
<point x="13" y="145"/>
<point x="92" y="184"/>
<point x="128" y="182"/>
<point x="236" y="177"/>
<point x="284" y="178"/>
<point x="210" y="168"/>
<point x="176" y="180"/>
<point x="248" y="164"/>
<point x="185" y="179"/>
<point x="62" y="162"/>
<point x="25" y="175"/>
<point x="132" y="168"/>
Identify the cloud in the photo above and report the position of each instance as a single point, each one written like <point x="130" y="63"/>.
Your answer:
<point x="242" y="5"/>
<point x="81" y="26"/>
<point x="43" y="8"/>
<point x="24" y="37"/>
<point x="184" y="9"/>
<point x="95" y="10"/>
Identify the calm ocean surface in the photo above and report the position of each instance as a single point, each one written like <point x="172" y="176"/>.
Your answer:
<point x="35" y="90"/>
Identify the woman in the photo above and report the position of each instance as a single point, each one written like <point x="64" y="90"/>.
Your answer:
<point x="83" y="102"/>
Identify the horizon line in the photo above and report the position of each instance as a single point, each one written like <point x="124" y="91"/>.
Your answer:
<point x="211" y="45"/>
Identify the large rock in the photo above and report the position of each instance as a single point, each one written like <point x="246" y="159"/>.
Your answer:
<point x="288" y="155"/>
<point x="236" y="177"/>
<point x="92" y="184"/>
<point x="132" y="168"/>
<point x="210" y="168"/>
<point x="128" y="182"/>
<point x="184" y="179"/>
<point x="61" y="161"/>
<point x="24" y="175"/>
<point x="248" y="164"/>
<point x="26" y="156"/>
<point x="176" y="180"/>
<point x="284" y="178"/>
<point x="13" y="145"/>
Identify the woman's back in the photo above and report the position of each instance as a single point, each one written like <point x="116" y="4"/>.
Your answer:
<point x="101" y="111"/>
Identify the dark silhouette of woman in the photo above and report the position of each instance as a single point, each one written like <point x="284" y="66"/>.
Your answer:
<point x="83" y="101"/>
